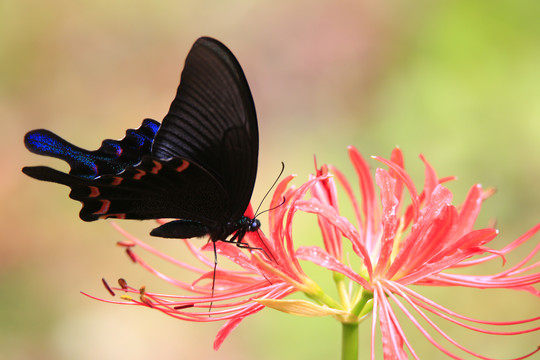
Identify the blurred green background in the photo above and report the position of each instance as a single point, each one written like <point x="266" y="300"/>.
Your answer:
<point x="458" y="81"/>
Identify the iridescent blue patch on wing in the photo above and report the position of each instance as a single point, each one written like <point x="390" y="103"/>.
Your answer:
<point x="45" y="142"/>
<point x="111" y="158"/>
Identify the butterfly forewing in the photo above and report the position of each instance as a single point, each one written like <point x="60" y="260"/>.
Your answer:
<point x="212" y="122"/>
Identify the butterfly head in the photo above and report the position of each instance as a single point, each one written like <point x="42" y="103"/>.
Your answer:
<point x="253" y="225"/>
<point x="245" y="225"/>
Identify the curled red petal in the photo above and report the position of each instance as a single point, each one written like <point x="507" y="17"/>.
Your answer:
<point x="389" y="202"/>
<point x="367" y="189"/>
<point x="226" y="330"/>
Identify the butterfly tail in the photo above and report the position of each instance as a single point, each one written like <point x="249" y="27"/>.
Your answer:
<point x="45" y="142"/>
<point x="80" y="190"/>
<point x="45" y="173"/>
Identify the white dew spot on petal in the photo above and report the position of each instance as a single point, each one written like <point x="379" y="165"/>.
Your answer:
<point x="300" y="307"/>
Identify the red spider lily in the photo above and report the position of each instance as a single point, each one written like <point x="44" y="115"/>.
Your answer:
<point x="398" y="244"/>
<point x="403" y="245"/>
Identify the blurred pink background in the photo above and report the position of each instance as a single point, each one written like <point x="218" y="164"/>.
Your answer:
<point x="457" y="81"/>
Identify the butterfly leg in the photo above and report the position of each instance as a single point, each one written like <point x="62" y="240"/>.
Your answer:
<point x="242" y="245"/>
<point x="213" y="277"/>
<point x="237" y="238"/>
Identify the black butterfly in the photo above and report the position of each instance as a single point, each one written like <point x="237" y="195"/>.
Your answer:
<point x="198" y="166"/>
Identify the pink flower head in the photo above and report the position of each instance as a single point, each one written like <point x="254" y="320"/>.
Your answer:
<point x="407" y="237"/>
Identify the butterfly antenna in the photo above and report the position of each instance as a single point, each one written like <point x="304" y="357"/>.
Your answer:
<point x="271" y="187"/>
<point x="274" y="208"/>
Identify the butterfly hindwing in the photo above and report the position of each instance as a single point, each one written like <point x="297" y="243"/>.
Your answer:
<point x="157" y="189"/>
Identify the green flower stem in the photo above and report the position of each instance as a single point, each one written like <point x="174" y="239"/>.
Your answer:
<point x="342" y="290"/>
<point x="360" y="306"/>
<point x="349" y="342"/>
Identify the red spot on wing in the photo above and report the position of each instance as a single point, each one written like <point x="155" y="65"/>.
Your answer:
<point x="113" y="216"/>
<point x="183" y="167"/>
<point x="116" y="180"/>
<point x="139" y="175"/>
<point x="105" y="204"/>
<point x="94" y="191"/>
<point x="157" y="167"/>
